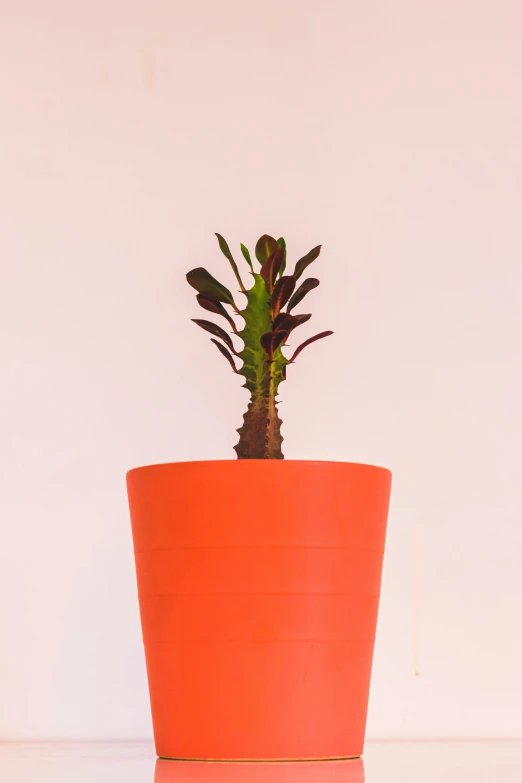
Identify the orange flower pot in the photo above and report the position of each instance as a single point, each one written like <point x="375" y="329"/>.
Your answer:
<point x="258" y="584"/>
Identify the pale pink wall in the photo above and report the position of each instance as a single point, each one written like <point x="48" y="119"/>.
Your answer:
<point x="390" y="132"/>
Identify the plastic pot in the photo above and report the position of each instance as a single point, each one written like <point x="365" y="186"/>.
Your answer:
<point x="258" y="584"/>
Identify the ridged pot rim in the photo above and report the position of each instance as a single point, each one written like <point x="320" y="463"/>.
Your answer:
<point x="240" y="462"/>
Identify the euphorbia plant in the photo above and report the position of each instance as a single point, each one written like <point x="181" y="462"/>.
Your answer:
<point x="268" y="323"/>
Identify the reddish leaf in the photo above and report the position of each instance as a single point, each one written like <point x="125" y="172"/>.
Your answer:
<point x="226" y="252"/>
<point x="207" y="285"/>
<point x="265" y="246"/>
<point x="307" y="342"/>
<point x="282" y="292"/>
<point x="271" y="341"/>
<point x="301" y="319"/>
<point x="281" y="321"/>
<point x="224" y="247"/>
<point x="282" y="243"/>
<point x="216" y="330"/>
<point x="299" y="295"/>
<point x="215" y="307"/>
<point x="285" y="322"/>
<point x="271" y="267"/>
<point x="305" y="261"/>
<point x="225" y="353"/>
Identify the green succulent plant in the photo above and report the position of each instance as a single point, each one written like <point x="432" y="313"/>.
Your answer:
<point x="268" y="323"/>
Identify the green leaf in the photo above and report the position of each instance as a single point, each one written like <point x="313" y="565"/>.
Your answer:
<point x="305" y="261"/>
<point x="226" y="252"/>
<point x="207" y="285"/>
<point x="216" y="330"/>
<point x="225" y="353"/>
<point x="282" y="243"/>
<point x="265" y="246"/>
<point x="246" y="255"/>
<point x="299" y="295"/>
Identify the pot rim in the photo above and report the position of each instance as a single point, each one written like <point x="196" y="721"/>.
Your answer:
<point x="317" y="462"/>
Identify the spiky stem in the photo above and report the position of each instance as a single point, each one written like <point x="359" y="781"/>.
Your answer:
<point x="260" y="435"/>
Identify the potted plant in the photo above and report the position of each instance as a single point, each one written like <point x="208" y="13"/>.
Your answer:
<point x="258" y="578"/>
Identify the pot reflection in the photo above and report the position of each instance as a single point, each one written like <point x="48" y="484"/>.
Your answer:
<point x="349" y="771"/>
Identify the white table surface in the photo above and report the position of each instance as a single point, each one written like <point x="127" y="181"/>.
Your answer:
<point x="384" y="762"/>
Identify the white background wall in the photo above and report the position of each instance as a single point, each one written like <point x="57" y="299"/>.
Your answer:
<point x="391" y="133"/>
